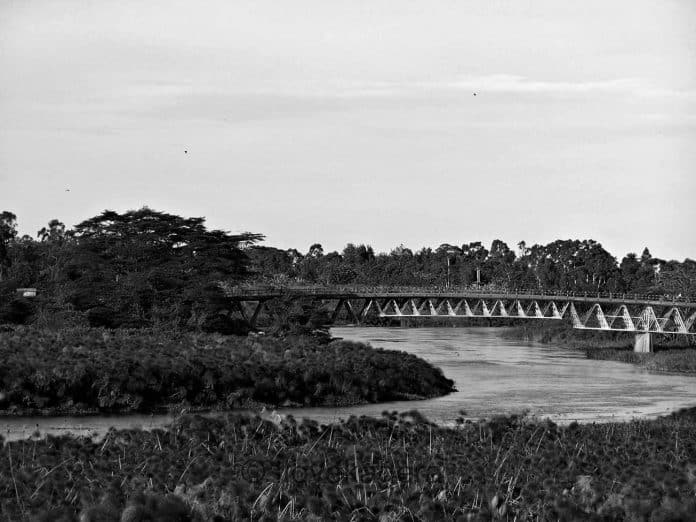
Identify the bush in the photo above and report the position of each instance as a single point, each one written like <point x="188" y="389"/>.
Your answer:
<point x="17" y="311"/>
<point x="226" y="325"/>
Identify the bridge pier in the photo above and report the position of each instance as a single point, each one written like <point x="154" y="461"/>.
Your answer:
<point x="643" y="343"/>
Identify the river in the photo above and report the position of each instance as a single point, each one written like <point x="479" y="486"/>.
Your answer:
<point x="493" y="375"/>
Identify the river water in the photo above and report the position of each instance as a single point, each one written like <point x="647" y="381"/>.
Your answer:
<point x="493" y="375"/>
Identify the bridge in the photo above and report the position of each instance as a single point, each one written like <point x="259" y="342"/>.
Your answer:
<point x="609" y="312"/>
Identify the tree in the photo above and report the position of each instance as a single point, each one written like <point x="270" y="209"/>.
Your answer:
<point x="147" y="261"/>
<point x="316" y="250"/>
<point x="499" y="263"/>
<point x="473" y="258"/>
<point x="8" y="232"/>
<point x="142" y="239"/>
<point x="448" y="249"/>
<point x="269" y="263"/>
<point x="638" y="274"/>
<point x="358" y="255"/>
<point x="55" y="232"/>
<point x="679" y="279"/>
<point x="401" y="250"/>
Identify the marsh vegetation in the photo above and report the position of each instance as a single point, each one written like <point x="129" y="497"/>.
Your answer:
<point x="85" y="370"/>
<point x="399" y="467"/>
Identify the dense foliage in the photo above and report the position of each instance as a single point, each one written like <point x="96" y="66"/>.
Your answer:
<point x="138" y="370"/>
<point x="399" y="467"/>
<point x="560" y="266"/>
<point x="138" y="268"/>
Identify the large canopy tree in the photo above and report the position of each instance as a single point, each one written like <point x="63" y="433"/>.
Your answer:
<point x="136" y="267"/>
<point x="146" y="240"/>
<point x="146" y="263"/>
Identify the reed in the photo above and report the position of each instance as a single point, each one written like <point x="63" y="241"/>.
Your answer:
<point x="399" y="467"/>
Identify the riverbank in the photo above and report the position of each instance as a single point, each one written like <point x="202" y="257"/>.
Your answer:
<point x="90" y="370"/>
<point x="243" y="467"/>
<point x="675" y="353"/>
<point x="681" y="360"/>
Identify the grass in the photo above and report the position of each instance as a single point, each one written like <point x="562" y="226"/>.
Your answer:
<point x="399" y="467"/>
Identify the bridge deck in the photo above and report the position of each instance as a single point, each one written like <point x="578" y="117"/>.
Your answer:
<point x="617" y="299"/>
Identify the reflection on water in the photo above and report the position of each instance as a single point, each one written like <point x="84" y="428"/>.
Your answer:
<point x="492" y="375"/>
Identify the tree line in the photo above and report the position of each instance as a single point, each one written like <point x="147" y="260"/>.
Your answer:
<point x="559" y="266"/>
<point x="145" y="268"/>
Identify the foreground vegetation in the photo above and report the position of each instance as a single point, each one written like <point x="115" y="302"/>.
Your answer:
<point x="96" y="370"/>
<point x="399" y="467"/>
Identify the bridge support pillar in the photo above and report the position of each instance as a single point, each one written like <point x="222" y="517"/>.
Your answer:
<point x="643" y="343"/>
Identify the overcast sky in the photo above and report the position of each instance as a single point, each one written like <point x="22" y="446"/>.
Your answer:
<point x="380" y="122"/>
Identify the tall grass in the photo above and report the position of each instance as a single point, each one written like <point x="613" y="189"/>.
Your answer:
<point x="399" y="467"/>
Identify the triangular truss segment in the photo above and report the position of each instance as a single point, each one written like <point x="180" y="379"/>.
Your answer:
<point x="551" y="311"/>
<point x="563" y="310"/>
<point x="689" y="322"/>
<point x="481" y="309"/>
<point x="624" y="317"/>
<point x="498" y="309"/>
<point x="516" y="309"/>
<point x="366" y="309"/>
<point x="463" y="308"/>
<point x="673" y="321"/>
<point x="621" y="319"/>
<point x="577" y="323"/>
<point x="534" y="310"/>
<point x="441" y="307"/>
<point x="648" y="322"/>
<point x="595" y="319"/>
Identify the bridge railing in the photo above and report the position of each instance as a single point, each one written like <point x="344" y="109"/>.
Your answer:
<point x="443" y="290"/>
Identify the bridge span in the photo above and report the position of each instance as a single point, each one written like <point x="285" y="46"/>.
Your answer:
<point x="641" y="315"/>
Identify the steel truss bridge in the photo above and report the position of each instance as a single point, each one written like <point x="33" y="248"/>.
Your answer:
<point x="641" y="315"/>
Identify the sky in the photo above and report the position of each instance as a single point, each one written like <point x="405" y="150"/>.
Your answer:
<point x="378" y="122"/>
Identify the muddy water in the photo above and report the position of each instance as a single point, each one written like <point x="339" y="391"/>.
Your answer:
<point x="493" y="375"/>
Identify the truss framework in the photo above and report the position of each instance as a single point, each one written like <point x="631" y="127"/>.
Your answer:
<point x="629" y="317"/>
<point x="641" y="318"/>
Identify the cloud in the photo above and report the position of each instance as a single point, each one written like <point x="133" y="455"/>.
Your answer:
<point x="227" y="101"/>
<point x="512" y="83"/>
<point x="508" y="83"/>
